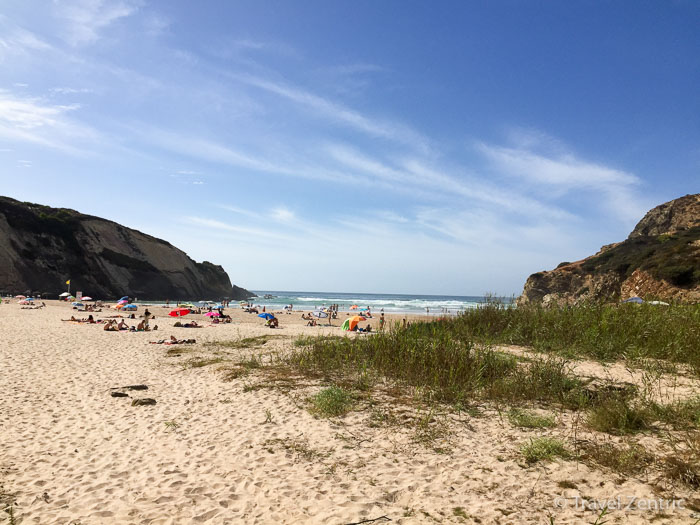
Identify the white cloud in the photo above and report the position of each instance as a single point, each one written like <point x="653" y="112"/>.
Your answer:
<point x="556" y="174"/>
<point x="283" y="215"/>
<point x="18" y="41"/>
<point x="374" y="127"/>
<point x="32" y="120"/>
<point x="86" y="18"/>
<point x="564" y="171"/>
<point x="69" y="90"/>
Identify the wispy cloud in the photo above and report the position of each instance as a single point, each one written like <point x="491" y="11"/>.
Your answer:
<point x="339" y="113"/>
<point x="16" y="40"/>
<point x="561" y="172"/>
<point x="85" y="19"/>
<point x="32" y="120"/>
<point x="69" y="90"/>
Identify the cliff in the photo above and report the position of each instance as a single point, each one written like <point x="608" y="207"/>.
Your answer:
<point x="42" y="247"/>
<point x="659" y="260"/>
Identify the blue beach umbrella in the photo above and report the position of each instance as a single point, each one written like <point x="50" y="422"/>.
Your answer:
<point x="125" y="298"/>
<point x="266" y="316"/>
<point x="76" y="303"/>
<point x="637" y="300"/>
<point x="129" y="307"/>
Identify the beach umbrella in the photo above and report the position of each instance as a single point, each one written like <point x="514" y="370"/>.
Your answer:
<point x="87" y="298"/>
<point x="30" y="299"/>
<point x="211" y="314"/>
<point x="125" y="298"/>
<point x="354" y="307"/>
<point x="76" y="303"/>
<point x="20" y="296"/>
<point x="186" y="305"/>
<point x="179" y="312"/>
<point x="64" y="294"/>
<point x="266" y="316"/>
<point x="119" y="306"/>
<point x="637" y="300"/>
<point x="122" y="301"/>
<point x="351" y="323"/>
<point x="130" y="307"/>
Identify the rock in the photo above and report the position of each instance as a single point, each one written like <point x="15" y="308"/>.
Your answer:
<point x="670" y="217"/>
<point x="144" y="401"/>
<point x="119" y="394"/>
<point x="659" y="260"/>
<point x="135" y="387"/>
<point x="44" y="246"/>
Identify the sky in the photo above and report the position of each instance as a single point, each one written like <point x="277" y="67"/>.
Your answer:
<point x="393" y="146"/>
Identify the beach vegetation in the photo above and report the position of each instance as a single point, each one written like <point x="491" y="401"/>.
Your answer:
<point x="626" y="458"/>
<point x="245" y="342"/>
<point x="618" y="415"/>
<point x="543" y="449"/>
<point x="199" y="362"/>
<point x="527" y="419"/>
<point x="333" y="401"/>
<point x="684" y="471"/>
<point x="602" y="332"/>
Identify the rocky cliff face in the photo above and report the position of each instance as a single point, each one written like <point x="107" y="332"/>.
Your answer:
<point x="659" y="260"/>
<point x="42" y="247"/>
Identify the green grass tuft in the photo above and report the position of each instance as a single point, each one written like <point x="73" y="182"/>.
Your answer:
<point x="333" y="401"/>
<point x="525" y="419"/>
<point x="543" y="449"/>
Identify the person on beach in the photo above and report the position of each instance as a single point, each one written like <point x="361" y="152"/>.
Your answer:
<point x="122" y="325"/>
<point x="381" y="322"/>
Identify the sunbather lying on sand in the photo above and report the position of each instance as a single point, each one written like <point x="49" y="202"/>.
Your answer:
<point x="111" y="326"/>
<point x="174" y="341"/>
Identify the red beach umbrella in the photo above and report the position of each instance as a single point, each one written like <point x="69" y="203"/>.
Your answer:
<point x="179" y="312"/>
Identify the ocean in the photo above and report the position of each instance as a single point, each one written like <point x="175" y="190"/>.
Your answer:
<point x="391" y="303"/>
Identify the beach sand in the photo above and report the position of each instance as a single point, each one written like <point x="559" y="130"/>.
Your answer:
<point x="213" y="450"/>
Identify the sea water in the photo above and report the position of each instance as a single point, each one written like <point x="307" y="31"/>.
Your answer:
<point x="390" y="303"/>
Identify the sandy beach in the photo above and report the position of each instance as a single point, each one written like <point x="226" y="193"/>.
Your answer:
<point x="216" y="448"/>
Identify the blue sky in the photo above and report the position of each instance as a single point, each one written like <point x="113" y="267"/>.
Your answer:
<point x="448" y="147"/>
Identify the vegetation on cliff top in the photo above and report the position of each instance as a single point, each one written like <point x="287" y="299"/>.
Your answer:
<point x="672" y="257"/>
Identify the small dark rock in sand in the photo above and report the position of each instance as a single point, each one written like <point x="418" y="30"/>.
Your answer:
<point x="134" y="387"/>
<point x="143" y="402"/>
<point x="119" y="394"/>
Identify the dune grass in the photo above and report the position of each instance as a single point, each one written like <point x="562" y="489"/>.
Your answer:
<point x="543" y="449"/>
<point x="333" y="401"/>
<point x="442" y="359"/>
<point x="604" y="332"/>
<point x="527" y="419"/>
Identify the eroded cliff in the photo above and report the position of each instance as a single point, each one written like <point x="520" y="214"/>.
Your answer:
<point x="42" y="247"/>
